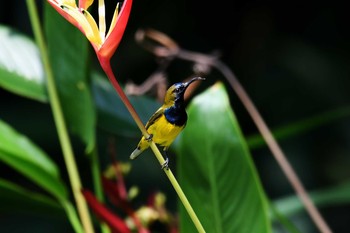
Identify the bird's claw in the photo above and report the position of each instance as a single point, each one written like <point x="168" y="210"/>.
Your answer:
<point x="149" y="138"/>
<point x="165" y="165"/>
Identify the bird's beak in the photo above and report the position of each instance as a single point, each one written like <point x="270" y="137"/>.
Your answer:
<point x="192" y="80"/>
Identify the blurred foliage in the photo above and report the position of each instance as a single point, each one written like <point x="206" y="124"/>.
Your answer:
<point x="292" y="60"/>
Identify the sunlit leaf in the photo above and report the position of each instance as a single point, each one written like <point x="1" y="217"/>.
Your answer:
<point x="21" y="70"/>
<point x="18" y="152"/>
<point x="68" y="50"/>
<point x="11" y="142"/>
<point x="216" y="171"/>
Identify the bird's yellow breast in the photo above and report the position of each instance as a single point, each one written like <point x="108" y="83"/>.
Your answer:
<point x="164" y="133"/>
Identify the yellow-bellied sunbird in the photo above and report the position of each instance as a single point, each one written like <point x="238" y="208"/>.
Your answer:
<point x="168" y="121"/>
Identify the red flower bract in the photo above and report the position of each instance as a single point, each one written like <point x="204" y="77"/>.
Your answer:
<point x="104" y="44"/>
<point x="113" y="221"/>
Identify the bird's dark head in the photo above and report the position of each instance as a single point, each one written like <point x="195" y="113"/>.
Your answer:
<point x="176" y="92"/>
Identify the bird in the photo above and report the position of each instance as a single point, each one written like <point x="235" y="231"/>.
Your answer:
<point x="168" y="121"/>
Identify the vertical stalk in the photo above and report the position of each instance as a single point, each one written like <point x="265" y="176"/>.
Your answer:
<point x="96" y="174"/>
<point x="60" y="122"/>
<point x="96" y="179"/>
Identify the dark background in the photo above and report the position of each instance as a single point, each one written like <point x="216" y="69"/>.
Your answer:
<point x="292" y="57"/>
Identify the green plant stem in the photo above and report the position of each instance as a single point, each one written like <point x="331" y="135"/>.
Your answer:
<point x="60" y="123"/>
<point x="96" y="177"/>
<point x="178" y="189"/>
<point x="105" y="64"/>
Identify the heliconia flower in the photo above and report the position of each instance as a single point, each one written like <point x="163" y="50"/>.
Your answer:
<point x="104" y="43"/>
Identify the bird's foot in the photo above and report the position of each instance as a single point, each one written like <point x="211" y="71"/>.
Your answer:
<point x="165" y="165"/>
<point x="149" y="138"/>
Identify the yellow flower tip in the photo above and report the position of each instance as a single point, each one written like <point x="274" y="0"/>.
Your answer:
<point x="85" y="4"/>
<point x="67" y="3"/>
<point x="114" y="20"/>
<point x="90" y="29"/>
<point x="80" y="18"/>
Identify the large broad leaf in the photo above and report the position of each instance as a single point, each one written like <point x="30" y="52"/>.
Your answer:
<point x="15" y="198"/>
<point x="112" y="113"/>
<point x="18" y="152"/>
<point x="68" y="50"/>
<point x="21" y="154"/>
<point x="216" y="171"/>
<point x="21" y="69"/>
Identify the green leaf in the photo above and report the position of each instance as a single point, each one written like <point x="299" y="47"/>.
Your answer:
<point x="21" y="70"/>
<point x="337" y="195"/>
<point x="21" y="154"/>
<point x="15" y="198"/>
<point x="216" y="171"/>
<point x="68" y="52"/>
<point x="112" y="113"/>
<point x="302" y="126"/>
<point x="12" y="142"/>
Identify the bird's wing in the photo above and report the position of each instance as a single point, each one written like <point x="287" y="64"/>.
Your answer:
<point x="155" y="117"/>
